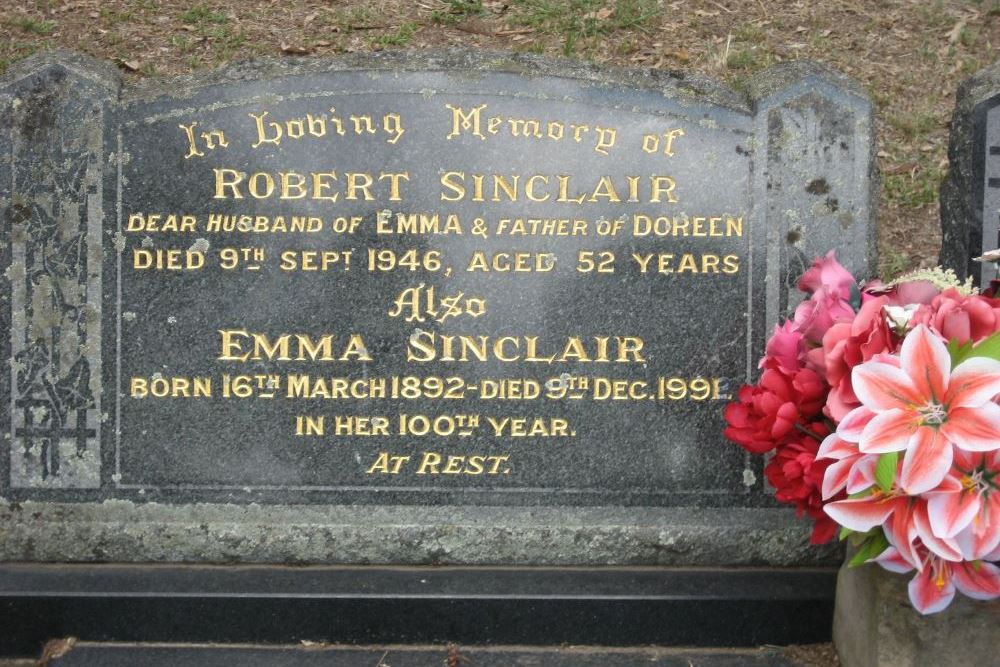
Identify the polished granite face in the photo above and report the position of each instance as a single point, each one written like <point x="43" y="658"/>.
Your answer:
<point x="970" y="193"/>
<point x="456" y="279"/>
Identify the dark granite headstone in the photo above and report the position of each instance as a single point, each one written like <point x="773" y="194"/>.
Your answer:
<point x="970" y="193"/>
<point x="406" y="309"/>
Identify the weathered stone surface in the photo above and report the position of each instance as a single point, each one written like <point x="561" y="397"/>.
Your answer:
<point x="123" y="531"/>
<point x="970" y="193"/>
<point x="876" y="626"/>
<point x="96" y="472"/>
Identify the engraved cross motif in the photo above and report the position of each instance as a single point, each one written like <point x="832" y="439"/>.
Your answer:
<point x="51" y="434"/>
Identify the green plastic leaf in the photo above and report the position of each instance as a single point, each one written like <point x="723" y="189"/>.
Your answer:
<point x="871" y="548"/>
<point x="885" y="470"/>
<point x="959" y="352"/>
<point x="845" y="532"/>
<point x="855" y="299"/>
<point x="989" y="348"/>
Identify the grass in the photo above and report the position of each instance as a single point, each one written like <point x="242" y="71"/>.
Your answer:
<point x="401" y="36"/>
<point x="200" y="14"/>
<point x="31" y="25"/>
<point x="577" y="22"/>
<point x="894" y="263"/>
<point x="18" y="51"/>
<point x="458" y="11"/>
<point x="913" y="191"/>
<point x="747" y="60"/>
<point x="914" y="125"/>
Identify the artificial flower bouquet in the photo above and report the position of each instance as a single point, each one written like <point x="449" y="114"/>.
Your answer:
<point x="878" y="406"/>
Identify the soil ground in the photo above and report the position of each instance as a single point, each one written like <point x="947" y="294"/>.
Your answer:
<point x="909" y="54"/>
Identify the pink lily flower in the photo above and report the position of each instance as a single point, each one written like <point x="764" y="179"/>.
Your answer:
<point x="842" y="447"/>
<point x="966" y="506"/>
<point x="934" y="586"/>
<point x="926" y="409"/>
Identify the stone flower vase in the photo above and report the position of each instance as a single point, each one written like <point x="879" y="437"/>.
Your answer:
<point x="875" y="626"/>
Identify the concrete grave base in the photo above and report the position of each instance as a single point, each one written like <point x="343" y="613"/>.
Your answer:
<point x="875" y="626"/>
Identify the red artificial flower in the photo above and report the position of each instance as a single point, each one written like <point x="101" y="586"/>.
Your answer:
<point x="767" y="412"/>
<point x="797" y="476"/>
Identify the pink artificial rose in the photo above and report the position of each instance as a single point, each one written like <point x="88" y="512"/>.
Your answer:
<point x="827" y="272"/>
<point x="954" y="316"/>
<point x="847" y="344"/>
<point x="903" y="294"/>
<point x="785" y="347"/>
<point x="818" y="313"/>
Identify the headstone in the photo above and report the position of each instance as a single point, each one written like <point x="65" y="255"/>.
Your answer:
<point x="406" y="309"/>
<point x="970" y="193"/>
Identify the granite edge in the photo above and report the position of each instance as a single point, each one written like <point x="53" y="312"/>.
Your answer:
<point x="122" y="531"/>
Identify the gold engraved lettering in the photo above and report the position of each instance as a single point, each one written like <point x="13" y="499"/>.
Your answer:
<point x="296" y="128"/>
<point x="293" y="185"/>
<point x="394" y="179"/>
<point x="668" y="140"/>
<point x="192" y="144"/>
<point x="454" y="181"/>
<point x="321" y="183"/>
<point x="682" y="225"/>
<point x="137" y="222"/>
<point x="309" y="425"/>
<point x="262" y="131"/>
<point x="651" y="142"/>
<point x="393" y="125"/>
<point x="228" y="179"/>
<point x="540" y="188"/>
<point x="254" y="185"/>
<point x="388" y="464"/>
<point x="317" y="125"/>
<point x="688" y="263"/>
<point x="368" y="127"/>
<point x="465" y="121"/>
<point x="521" y="127"/>
<point x="500" y="182"/>
<point x="529" y="187"/>
<point x="605" y="139"/>
<point x="426" y="346"/>
<point x="337" y="124"/>
<point x="356" y="182"/>
<point x="663" y="185"/>
<point x="432" y="463"/>
<point x="281" y="348"/>
<point x="170" y="387"/>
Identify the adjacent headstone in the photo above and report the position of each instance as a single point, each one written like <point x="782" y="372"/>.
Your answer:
<point x="406" y="309"/>
<point x="970" y="193"/>
<point x="875" y="624"/>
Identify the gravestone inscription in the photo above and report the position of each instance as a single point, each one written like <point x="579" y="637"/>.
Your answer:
<point x="432" y="282"/>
